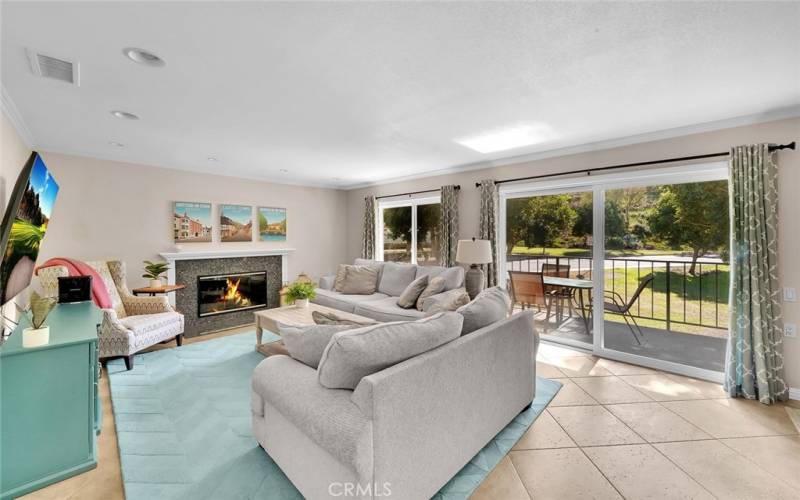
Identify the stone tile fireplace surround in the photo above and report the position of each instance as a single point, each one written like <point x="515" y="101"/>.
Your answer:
<point x="186" y="267"/>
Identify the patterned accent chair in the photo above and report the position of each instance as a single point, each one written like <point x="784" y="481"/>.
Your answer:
<point x="133" y="323"/>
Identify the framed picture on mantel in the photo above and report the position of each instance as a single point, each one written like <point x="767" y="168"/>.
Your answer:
<point x="271" y="224"/>
<point x="191" y="222"/>
<point x="236" y="223"/>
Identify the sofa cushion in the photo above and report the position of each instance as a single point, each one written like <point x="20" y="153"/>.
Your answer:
<point x="377" y="264"/>
<point x="489" y="306"/>
<point x="328" y="417"/>
<point x="148" y="329"/>
<point x="445" y="301"/>
<point x="325" y="318"/>
<point x="435" y="285"/>
<point x="338" y="281"/>
<point x="306" y="343"/>
<point x="396" y="277"/>
<point x="410" y="295"/>
<point x="360" y="280"/>
<point x="346" y="303"/>
<point x="354" y="354"/>
<point x="387" y="310"/>
<point x="453" y="276"/>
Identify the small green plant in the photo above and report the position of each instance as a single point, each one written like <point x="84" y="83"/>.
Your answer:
<point x="38" y="309"/>
<point x="154" y="270"/>
<point x="299" y="291"/>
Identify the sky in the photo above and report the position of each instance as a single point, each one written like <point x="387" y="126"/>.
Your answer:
<point x="44" y="185"/>
<point x="199" y="211"/>
<point x="239" y="213"/>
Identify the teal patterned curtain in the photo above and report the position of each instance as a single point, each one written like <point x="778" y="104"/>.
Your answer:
<point x="368" y="233"/>
<point x="448" y="226"/>
<point x="754" y="361"/>
<point x="487" y="226"/>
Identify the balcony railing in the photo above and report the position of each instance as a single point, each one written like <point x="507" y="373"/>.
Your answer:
<point x="674" y="296"/>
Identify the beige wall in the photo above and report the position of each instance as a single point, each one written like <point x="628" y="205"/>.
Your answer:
<point x="114" y="210"/>
<point x="782" y="131"/>
<point x="13" y="155"/>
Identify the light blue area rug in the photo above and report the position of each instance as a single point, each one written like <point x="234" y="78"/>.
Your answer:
<point x="183" y="427"/>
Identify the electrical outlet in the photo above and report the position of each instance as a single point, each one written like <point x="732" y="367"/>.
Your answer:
<point x="790" y="330"/>
<point x="789" y="294"/>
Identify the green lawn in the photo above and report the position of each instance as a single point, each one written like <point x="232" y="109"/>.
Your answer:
<point x="583" y="252"/>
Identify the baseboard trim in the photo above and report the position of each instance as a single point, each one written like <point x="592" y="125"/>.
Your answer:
<point x="794" y="393"/>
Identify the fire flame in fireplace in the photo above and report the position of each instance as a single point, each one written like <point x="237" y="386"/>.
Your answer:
<point x="233" y="296"/>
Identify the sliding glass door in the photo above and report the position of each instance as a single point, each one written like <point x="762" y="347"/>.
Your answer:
<point x="648" y="251"/>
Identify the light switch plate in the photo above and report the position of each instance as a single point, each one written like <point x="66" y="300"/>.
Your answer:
<point x="789" y="294"/>
<point x="790" y="330"/>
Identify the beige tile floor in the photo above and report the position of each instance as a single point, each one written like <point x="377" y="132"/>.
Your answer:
<point x="622" y="431"/>
<point x="613" y="431"/>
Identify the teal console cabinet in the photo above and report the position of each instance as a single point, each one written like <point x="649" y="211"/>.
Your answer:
<point x="49" y="406"/>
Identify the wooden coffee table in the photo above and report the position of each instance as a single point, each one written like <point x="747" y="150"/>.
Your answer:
<point x="268" y="319"/>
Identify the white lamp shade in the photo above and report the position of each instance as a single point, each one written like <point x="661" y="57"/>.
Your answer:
<point x="474" y="252"/>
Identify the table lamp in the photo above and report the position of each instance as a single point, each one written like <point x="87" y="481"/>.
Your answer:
<point x="474" y="252"/>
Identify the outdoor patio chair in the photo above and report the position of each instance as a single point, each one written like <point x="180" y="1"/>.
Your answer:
<point x="560" y="294"/>
<point x="617" y="305"/>
<point x="527" y="289"/>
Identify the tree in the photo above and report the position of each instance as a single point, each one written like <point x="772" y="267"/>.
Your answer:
<point x="516" y="227"/>
<point x="546" y="218"/>
<point x="694" y="215"/>
<point x="616" y="227"/>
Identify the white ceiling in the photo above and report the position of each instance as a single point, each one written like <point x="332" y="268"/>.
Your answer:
<point x="364" y="92"/>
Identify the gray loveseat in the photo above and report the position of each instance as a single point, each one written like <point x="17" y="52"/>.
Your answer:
<point x="405" y="430"/>
<point x="393" y="278"/>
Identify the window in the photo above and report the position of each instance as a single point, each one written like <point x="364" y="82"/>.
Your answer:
<point x="408" y="231"/>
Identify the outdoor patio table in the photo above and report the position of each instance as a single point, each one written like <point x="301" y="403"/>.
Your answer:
<point x="574" y="285"/>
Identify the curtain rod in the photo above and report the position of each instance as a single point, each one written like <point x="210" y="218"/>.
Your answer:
<point x="588" y="171"/>
<point x="409" y="194"/>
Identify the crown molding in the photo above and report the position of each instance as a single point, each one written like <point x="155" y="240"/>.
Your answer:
<point x="12" y="112"/>
<point x="739" y="121"/>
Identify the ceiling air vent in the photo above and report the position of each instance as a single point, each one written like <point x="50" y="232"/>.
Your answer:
<point x="53" y="67"/>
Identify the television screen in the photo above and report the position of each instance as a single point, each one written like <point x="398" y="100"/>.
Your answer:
<point x="24" y="225"/>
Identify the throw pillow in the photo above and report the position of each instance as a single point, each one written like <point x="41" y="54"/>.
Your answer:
<point x="408" y="298"/>
<point x="435" y="285"/>
<point x="339" y="280"/>
<point x="360" y="280"/>
<point x="354" y="354"/>
<point x="489" y="306"/>
<point x="306" y="343"/>
<point x="323" y="318"/>
<point x="445" y="301"/>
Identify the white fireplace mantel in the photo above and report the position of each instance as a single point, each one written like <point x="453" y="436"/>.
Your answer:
<point x="171" y="257"/>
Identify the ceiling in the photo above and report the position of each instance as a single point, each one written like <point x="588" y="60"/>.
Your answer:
<point x="347" y="94"/>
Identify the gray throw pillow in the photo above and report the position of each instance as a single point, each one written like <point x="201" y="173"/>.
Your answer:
<point x="396" y="277"/>
<point x="435" y="285"/>
<point x="360" y="280"/>
<point x="341" y="272"/>
<point x="324" y="318"/>
<point x="491" y="305"/>
<point x="408" y="298"/>
<point x="352" y="355"/>
<point x="445" y="301"/>
<point x="377" y="264"/>
<point x="306" y="343"/>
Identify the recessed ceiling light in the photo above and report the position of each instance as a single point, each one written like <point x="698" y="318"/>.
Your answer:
<point x="212" y="158"/>
<point x="142" y="56"/>
<point x="508" y="138"/>
<point x="283" y="171"/>
<point x="124" y="114"/>
<point x="116" y="144"/>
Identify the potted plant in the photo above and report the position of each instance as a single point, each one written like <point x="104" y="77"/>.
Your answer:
<point x="38" y="334"/>
<point x="300" y="292"/>
<point x="153" y="271"/>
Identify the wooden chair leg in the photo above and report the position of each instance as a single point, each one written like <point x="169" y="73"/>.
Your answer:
<point x="179" y="339"/>
<point x="129" y="362"/>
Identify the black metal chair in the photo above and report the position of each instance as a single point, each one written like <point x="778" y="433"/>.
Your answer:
<point x="617" y="305"/>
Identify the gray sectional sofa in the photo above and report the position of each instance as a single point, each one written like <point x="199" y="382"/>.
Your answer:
<point x="405" y="430"/>
<point x="393" y="278"/>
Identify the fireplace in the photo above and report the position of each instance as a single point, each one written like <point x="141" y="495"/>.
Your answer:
<point x="231" y="293"/>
